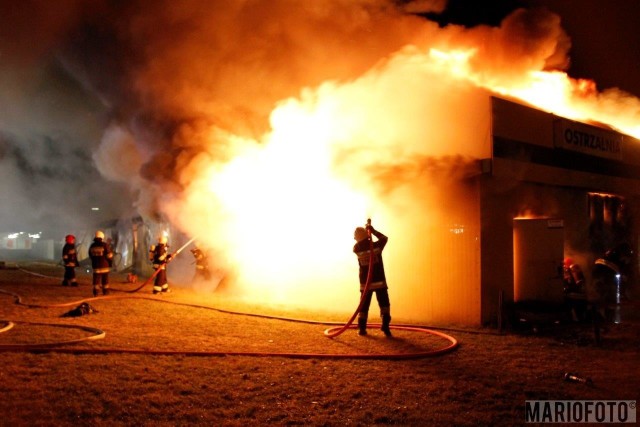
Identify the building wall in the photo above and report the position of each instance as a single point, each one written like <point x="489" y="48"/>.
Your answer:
<point x="441" y="285"/>
<point x="535" y="174"/>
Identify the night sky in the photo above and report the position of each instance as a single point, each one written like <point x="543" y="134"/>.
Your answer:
<point x="606" y="36"/>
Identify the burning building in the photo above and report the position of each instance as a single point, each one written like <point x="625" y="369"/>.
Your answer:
<point x="553" y="188"/>
<point x="270" y="130"/>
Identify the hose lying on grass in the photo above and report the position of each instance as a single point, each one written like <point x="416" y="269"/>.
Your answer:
<point x="98" y="334"/>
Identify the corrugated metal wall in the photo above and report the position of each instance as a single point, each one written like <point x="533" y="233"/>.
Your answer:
<point x="443" y="287"/>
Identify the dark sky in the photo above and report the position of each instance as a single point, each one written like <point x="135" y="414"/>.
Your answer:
<point x="605" y="34"/>
<point x="605" y="38"/>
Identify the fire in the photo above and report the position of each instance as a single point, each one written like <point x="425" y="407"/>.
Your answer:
<point x="281" y="208"/>
<point x="552" y="91"/>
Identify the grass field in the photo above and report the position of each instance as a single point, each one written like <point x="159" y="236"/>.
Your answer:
<point x="175" y="360"/>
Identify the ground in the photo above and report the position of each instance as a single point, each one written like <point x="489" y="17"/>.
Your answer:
<point x="191" y="359"/>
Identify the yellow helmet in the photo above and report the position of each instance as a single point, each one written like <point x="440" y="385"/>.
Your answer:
<point x="99" y="234"/>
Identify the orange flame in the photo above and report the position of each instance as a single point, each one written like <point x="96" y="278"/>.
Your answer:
<point x="283" y="209"/>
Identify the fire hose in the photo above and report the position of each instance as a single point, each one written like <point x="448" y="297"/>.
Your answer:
<point x="56" y="347"/>
<point x="331" y="332"/>
<point x="334" y="332"/>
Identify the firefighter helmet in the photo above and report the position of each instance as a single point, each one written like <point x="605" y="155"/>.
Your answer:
<point x="162" y="239"/>
<point x="99" y="234"/>
<point x="70" y="239"/>
<point x="568" y="262"/>
<point x="360" y="234"/>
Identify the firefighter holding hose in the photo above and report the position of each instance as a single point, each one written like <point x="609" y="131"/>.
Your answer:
<point x="369" y="251"/>
<point x="159" y="255"/>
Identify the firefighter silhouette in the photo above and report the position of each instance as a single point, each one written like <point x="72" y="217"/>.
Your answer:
<point x="575" y="295"/>
<point x="202" y="263"/>
<point x="101" y="260"/>
<point x="378" y="281"/>
<point x="70" y="261"/>
<point x="159" y="255"/>
<point x="609" y="275"/>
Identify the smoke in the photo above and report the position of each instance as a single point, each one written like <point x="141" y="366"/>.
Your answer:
<point x="48" y="128"/>
<point x="267" y="129"/>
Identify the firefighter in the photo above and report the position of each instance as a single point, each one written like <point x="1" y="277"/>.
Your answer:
<point x="575" y="296"/>
<point x="609" y="278"/>
<point x="70" y="261"/>
<point x="202" y="263"/>
<point x="159" y="255"/>
<point x="378" y="281"/>
<point x="101" y="261"/>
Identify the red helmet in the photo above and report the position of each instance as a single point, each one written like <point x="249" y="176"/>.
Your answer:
<point x="70" y="239"/>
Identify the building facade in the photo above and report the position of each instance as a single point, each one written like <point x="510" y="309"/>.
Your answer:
<point x="553" y="188"/>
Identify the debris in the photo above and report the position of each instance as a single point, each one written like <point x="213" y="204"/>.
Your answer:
<point x="575" y="378"/>
<point x="81" y="310"/>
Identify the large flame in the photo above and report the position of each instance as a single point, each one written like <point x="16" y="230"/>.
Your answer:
<point x="283" y="209"/>
<point x="278" y="210"/>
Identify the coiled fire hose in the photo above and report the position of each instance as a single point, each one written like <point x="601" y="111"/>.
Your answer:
<point x="57" y="347"/>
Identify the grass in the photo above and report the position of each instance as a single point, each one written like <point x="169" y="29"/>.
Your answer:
<point x="484" y="382"/>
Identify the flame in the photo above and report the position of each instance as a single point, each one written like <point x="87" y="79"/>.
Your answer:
<point x="551" y="91"/>
<point x="282" y="208"/>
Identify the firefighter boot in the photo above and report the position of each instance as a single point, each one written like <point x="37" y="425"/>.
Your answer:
<point x="386" y="319"/>
<point x="362" y="326"/>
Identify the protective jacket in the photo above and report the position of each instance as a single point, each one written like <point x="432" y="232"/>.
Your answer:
<point x="573" y="278"/>
<point x="69" y="255"/>
<point x="101" y="256"/>
<point x="159" y="255"/>
<point x="202" y="263"/>
<point x="362" y="249"/>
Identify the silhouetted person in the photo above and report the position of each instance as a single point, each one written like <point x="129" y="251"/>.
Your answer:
<point x="70" y="261"/>
<point x="378" y="282"/>
<point x="101" y="260"/>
